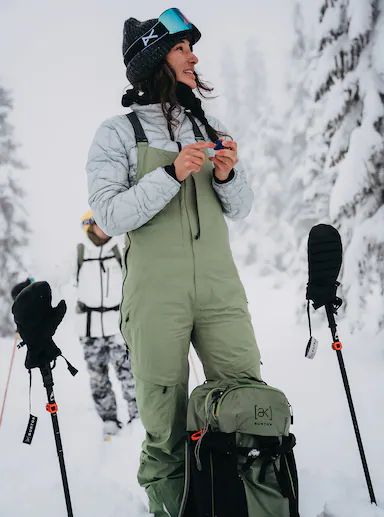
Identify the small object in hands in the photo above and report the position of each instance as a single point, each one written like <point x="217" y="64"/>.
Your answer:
<point x="218" y="146"/>
<point x="37" y="322"/>
<point x="311" y="349"/>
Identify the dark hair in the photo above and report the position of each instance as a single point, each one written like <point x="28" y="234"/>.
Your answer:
<point x="162" y="87"/>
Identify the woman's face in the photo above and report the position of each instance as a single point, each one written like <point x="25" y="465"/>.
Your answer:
<point x="182" y="60"/>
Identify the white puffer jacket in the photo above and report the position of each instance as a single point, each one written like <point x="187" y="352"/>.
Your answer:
<point x="99" y="285"/>
<point x="122" y="204"/>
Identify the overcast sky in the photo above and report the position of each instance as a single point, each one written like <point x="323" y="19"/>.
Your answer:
<point x="62" y="62"/>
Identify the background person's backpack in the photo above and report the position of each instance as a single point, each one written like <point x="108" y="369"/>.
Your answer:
<point x="80" y="257"/>
<point x="240" y="461"/>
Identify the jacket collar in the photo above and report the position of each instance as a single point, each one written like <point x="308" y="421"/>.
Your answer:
<point x="152" y="114"/>
<point x="107" y="247"/>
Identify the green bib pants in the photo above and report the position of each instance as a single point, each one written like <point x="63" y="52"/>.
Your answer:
<point x="180" y="286"/>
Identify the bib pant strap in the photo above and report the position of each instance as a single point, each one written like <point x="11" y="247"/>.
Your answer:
<point x="137" y="127"/>
<point x="196" y="130"/>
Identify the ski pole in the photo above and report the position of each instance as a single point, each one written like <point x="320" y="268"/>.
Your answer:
<point x="9" y="377"/>
<point x="46" y="373"/>
<point x="324" y="263"/>
<point x="37" y="322"/>
<point x="337" y="346"/>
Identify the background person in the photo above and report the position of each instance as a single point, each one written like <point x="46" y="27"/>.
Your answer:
<point x="99" y="293"/>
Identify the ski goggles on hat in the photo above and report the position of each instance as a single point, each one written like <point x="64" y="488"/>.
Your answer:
<point x="88" y="222"/>
<point x="170" y="21"/>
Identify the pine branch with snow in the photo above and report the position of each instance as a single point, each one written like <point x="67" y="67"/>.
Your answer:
<point x="13" y="219"/>
<point x="341" y="169"/>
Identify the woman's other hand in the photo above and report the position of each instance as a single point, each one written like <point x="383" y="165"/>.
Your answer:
<point x="225" y="159"/>
<point x="191" y="159"/>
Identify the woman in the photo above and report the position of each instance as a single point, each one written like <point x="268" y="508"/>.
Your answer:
<point x="150" y="177"/>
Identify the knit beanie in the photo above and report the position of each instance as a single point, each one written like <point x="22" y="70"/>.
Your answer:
<point x="141" y="64"/>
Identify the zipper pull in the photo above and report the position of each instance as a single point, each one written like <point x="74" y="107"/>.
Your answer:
<point x="291" y="412"/>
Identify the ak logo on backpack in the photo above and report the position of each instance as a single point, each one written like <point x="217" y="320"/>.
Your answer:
<point x="239" y="457"/>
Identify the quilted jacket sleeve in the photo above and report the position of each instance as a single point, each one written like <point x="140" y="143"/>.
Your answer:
<point x="236" y="196"/>
<point x="118" y="206"/>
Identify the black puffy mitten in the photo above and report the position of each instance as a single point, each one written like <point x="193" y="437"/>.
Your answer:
<point x="324" y="263"/>
<point x="20" y="286"/>
<point x="37" y="322"/>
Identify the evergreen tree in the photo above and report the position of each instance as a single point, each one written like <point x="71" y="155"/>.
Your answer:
<point x="13" y="225"/>
<point x="307" y="192"/>
<point x="348" y="79"/>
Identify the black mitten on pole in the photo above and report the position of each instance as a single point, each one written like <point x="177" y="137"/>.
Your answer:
<point x="20" y="286"/>
<point x="324" y="262"/>
<point x="37" y="322"/>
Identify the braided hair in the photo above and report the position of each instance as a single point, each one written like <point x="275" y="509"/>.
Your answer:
<point x="162" y="87"/>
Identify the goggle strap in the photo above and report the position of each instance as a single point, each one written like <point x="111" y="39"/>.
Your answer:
<point x="141" y="42"/>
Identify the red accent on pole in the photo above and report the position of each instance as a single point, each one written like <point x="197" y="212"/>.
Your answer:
<point x="52" y="408"/>
<point x="337" y="345"/>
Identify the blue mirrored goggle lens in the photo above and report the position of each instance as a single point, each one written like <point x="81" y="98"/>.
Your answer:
<point x="175" y="21"/>
<point x="88" y="222"/>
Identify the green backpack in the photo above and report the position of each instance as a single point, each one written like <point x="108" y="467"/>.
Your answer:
<point x="239" y="460"/>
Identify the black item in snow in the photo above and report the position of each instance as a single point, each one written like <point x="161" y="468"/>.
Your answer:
<point x="324" y="263"/>
<point x="37" y="322"/>
<point x="337" y="346"/>
<point x="20" y="286"/>
<point x="324" y="260"/>
<point x="46" y="373"/>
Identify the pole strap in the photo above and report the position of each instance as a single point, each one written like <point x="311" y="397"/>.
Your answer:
<point x="309" y="320"/>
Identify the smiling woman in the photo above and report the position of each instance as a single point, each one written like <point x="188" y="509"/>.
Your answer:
<point x="182" y="61"/>
<point x="150" y="177"/>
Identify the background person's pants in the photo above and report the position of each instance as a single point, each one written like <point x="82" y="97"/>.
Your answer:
<point x="98" y="353"/>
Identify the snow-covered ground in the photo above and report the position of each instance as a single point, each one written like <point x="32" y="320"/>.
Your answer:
<point x="102" y="475"/>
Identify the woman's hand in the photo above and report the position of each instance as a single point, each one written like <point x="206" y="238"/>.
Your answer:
<point x="190" y="159"/>
<point x="225" y="159"/>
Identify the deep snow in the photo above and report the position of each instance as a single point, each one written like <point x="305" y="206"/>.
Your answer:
<point x="102" y="475"/>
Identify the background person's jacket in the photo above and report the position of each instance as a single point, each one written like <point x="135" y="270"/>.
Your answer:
<point x="120" y="204"/>
<point x="98" y="288"/>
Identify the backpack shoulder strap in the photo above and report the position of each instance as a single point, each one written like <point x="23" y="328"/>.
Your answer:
<point x="196" y="130"/>
<point x="137" y="127"/>
<point x="80" y="258"/>
<point x="117" y="254"/>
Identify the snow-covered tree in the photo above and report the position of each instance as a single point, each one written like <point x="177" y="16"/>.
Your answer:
<point x="13" y="225"/>
<point x="307" y="200"/>
<point x="349" y="80"/>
